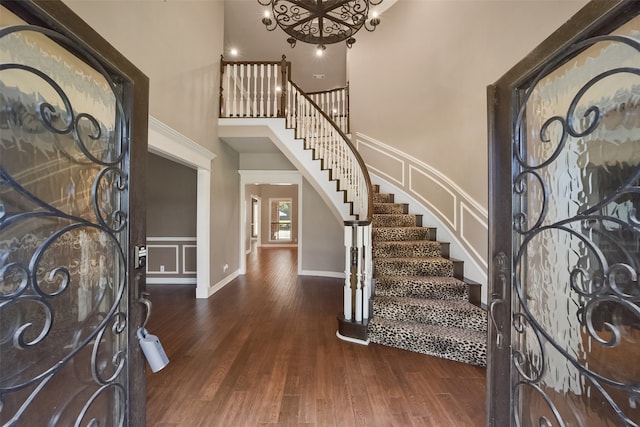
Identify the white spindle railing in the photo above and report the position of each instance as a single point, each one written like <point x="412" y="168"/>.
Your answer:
<point x="254" y="89"/>
<point x="335" y="103"/>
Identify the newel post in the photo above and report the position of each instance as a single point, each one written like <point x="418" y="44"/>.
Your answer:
<point x="283" y="87"/>
<point x="220" y="107"/>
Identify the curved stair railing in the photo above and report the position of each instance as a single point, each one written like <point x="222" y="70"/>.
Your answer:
<point x="265" y="90"/>
<point x="335" y="103"/>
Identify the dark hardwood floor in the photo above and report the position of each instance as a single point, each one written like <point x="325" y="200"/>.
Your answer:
<point x="263" y="351"/>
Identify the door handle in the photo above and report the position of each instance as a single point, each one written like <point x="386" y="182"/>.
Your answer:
<point x="497" y="296"/>
<point x="499" y="336"/>
<point x="144" y="300"/>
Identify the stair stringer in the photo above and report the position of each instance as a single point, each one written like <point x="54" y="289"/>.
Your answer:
<point x="472" y="269"/>
<point x="293" y="149"/>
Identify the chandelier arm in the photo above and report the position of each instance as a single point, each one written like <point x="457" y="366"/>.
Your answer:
<point x="339" y="4"/>
<point x="265" y="2"/>
<point x="369" y="26"/>
<point x="373" y="2"/>
<point x="354" y="27"/>
<point x="295" y="24"/>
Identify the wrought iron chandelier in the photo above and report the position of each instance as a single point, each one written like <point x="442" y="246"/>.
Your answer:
<point x="320" y="22"/>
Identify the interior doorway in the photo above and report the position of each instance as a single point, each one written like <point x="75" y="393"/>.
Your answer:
<point x="168" y="143"/>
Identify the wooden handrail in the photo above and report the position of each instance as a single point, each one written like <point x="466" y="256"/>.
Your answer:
<point x="334" y="97"/>
<point x="363" y="168"/>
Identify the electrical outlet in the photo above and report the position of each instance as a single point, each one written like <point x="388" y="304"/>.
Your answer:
<point x="225" y="268"/>
<point x="162" y="269"/>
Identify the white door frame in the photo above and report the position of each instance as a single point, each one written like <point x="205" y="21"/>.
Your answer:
<point x="167" y="142"/>
<point x="267" y="177"/>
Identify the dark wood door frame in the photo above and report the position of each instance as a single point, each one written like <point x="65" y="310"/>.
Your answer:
<point x="55" y="15"/>
<point x="596" y="18"/>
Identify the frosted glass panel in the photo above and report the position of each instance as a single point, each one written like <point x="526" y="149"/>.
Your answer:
<point x="576" y="328"/>
<point x="62" y="233"/>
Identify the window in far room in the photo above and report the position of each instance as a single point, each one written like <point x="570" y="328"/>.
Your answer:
<point x="280" y="214"/>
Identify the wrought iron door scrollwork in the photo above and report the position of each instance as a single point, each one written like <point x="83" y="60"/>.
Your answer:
<point x="604" y="275"/>
<point x="63" y="240"/>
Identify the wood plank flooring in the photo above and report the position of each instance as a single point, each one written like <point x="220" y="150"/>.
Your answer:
<point x="263" y="352"/>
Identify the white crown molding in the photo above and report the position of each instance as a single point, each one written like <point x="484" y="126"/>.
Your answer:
<point x="168" y="142"/>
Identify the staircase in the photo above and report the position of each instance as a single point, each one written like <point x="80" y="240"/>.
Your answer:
<point x="421" y="301"/>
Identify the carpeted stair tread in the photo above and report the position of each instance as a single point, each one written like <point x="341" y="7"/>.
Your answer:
<point x="418" y="305"/>
<point x="423" y="266"/>
<point x="394" y="220"/>
<point x="409" y="248"/>
<point x="431" y="287"/>
<point x="389" y="234"/>
<point x="383" y="198"/>
<point x="390" y="208"/>
<point x="462" y="345"/>
<point x="453" y="314"/>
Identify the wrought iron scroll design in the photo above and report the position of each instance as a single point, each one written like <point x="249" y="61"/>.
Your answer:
<point x="593" y="288"/>
<point x="33" y="282"/>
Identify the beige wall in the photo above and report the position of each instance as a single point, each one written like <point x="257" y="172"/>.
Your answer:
<point x="418" y="103"/>
<point x="171" y="199"/>
<point x="322" y="235"/>
<point x="178" y="45"/>
<point x="418" y="83"/>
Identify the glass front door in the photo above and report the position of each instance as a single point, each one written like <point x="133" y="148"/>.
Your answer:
<point x="571" y="324"/>
<point x="65" y="223"/>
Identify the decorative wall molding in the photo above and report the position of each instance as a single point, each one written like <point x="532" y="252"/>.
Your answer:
<point x="171" y="239"/>
<point x="184" y="258"/>
<point x="452" y="221"/>
<point x="173" y="268"/>
<point x="171" y="281"/>
<point x="464" y="218"/>
<point x="170" y="256"/>
<point x="399" y="181"/>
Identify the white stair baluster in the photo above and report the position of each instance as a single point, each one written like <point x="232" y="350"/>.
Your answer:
<point x="242" y="91"/>
<point x="276" y="94"/>
<point x="227" y="91"/>
<point x="269" y="90"/>
<point x="254" y="112"/>
<point x="249" y="93"/>
<point x="261" y="90"/>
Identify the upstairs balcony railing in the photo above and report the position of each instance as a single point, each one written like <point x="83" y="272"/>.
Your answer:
<point x="265" y="90"/>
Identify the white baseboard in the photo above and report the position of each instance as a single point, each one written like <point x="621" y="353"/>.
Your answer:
<point x="221" y="284"/>
<point x="353" y="340"/>
<point x="171" y="281"/>
<point x="333" y="274"/>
